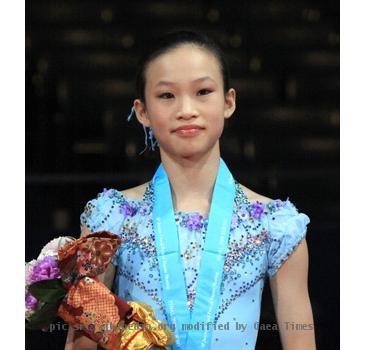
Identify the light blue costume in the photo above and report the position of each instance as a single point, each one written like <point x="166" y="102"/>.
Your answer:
<point x="262" y="236"/>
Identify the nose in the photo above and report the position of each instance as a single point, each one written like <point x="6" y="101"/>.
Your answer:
<point x="186" y="109"/>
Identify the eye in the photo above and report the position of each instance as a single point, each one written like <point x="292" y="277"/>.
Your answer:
<point x="166" y="95"/>
<point x="203" y="92"/>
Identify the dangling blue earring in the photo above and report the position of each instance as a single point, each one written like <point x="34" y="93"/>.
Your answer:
<point x="131" y="114"/>
<point x="149" y="137"/>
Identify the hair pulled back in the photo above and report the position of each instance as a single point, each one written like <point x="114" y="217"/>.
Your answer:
<point x="173" y="40"/>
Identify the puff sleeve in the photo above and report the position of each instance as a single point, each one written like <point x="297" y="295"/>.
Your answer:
<point x="103" y="213"/>
<point x="286" y="227"/>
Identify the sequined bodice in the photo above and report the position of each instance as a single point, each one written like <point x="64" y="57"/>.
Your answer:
<point x="262" y="236"/>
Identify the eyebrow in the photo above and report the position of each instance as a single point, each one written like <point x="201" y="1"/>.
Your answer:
<point x="164" y="82"/>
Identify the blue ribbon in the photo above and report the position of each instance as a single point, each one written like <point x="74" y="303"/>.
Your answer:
<point x="212" y="261"/>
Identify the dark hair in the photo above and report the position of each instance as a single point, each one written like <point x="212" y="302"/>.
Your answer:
<point x="171" y="41"/>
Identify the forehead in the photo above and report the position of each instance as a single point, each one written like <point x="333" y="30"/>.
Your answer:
<point x="182" y="64"/>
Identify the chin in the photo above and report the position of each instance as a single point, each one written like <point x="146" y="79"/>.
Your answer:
<point x="193" y="152"/>
<point x="190" y="155"/>
<point x="189" y="150"/>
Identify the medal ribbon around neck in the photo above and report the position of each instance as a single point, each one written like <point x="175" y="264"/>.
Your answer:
<point x="211" y="265"/>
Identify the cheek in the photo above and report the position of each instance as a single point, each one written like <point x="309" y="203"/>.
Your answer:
<point x="217" y="121"/>
<point x="220" y="127"/>
<point x="157" y="115"/>
<point x="215" y="115"/>
<point x="158" y="126"/>
<point x="215" y="106"/>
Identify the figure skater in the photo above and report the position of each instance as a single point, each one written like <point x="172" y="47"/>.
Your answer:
<point x="197" y="245"/>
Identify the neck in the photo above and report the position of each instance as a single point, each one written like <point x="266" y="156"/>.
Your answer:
<point x="192" y="179"/>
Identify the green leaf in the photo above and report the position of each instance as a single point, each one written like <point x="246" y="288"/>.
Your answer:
<point x="49" y="291"/>
<point x="45" y="315"/>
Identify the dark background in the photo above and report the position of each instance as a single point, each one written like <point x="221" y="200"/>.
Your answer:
<point x="283" y="140"/>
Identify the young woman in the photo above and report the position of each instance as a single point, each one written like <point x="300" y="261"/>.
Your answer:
<point x="197" y="245"/>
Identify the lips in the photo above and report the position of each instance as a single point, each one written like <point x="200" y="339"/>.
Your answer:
<point x="188" y="127"/>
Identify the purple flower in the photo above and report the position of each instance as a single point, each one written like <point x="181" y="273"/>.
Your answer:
<point x="45" y="269"/>
<point x="128" y="210"/>
<point x="194" y="222"/>
<point x="257" y="209"/>
<point x="30" y="301"/>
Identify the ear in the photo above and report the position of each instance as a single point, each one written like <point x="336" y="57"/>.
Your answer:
<point x="229" y="103"/>
<point x="141" y="112"/>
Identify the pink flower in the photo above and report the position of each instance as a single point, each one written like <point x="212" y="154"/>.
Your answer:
<point x="51" y="248"/>
<point x="29" y="271"/>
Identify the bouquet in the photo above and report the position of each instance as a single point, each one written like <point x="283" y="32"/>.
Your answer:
<point x="63" y="282"/>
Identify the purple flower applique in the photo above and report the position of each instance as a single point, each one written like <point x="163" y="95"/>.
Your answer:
<point x="46" y="269"/>
<point x="257" y="209"/>
<point x="128" y="210"/>
<point x="194" y="222"/>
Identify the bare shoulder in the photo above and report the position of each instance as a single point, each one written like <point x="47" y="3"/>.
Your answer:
<point x="253" y="196"/>
<point x="135" y="193"/>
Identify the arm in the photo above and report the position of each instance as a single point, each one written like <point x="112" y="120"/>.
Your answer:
<point x="76" y="340"/>
<point x="291" y="301"/>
